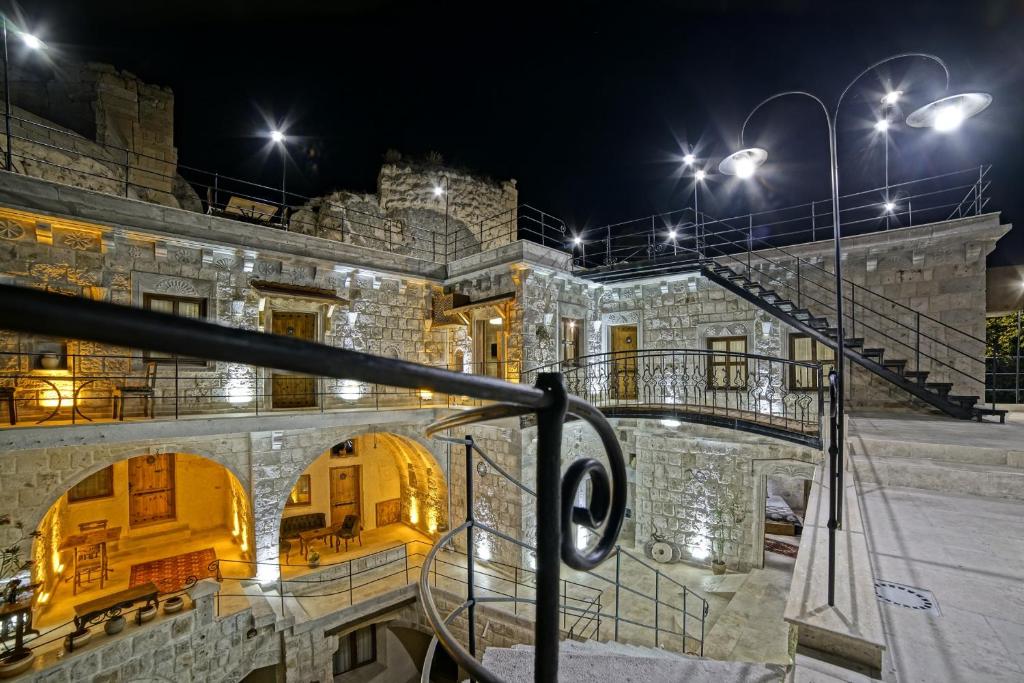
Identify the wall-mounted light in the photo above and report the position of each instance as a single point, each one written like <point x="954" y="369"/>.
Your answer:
<point x="350" y="390"/>
<point x="496" y="321"/>
<point x="352" y="317"/>
<point x="426" y="395"/>
<point x="671" y="423"/>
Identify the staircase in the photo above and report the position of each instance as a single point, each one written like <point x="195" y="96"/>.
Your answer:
<point x="588" y="661"/>
<point x="896" y="371"/>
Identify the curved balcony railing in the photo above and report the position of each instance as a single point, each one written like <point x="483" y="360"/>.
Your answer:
<point x="761" y="394"/>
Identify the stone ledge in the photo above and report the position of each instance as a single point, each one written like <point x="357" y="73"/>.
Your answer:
<point x="851" y="630"/>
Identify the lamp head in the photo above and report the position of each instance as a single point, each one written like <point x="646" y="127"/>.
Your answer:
<point x="671" y="234"/>
<point x="889" y="207"/>
<point x="577" y="240"/>
<point x="700" y="175"/>
<point x="945" y="115"/>
<point x="882" y="125"/>
<point x="438" y="190"/>
<point x="688" y="159"/>
<point x="892" y="97"/>
<point x="32" y="42"/>
<point x="744" y="163"/>
<point x="277" y="136"/>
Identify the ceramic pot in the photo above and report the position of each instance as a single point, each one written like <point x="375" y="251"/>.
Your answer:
<point x="50" y="361"/>
<point x="11" y="666"/>
<point x="718" y="567"/>
<point x="147" y="613"/>
<point x="172" y="605"/>
<point x="114" y="625"/>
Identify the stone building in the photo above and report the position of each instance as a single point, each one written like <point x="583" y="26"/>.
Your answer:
<point x="232" y="485"/>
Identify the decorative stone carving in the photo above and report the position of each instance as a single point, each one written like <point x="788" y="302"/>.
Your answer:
<point x="178" y="286"/>
<point x="11" y="230"/>
<point x="78" y="241"/>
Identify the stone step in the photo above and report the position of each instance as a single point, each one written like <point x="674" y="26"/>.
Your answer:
<point x="515" y="665"/>
<point x="992" y="481"/>
<point x="940" y="452"/>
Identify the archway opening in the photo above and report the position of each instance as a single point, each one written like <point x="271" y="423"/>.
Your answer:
<point x="164" y="518"/>
<point x="368" y="493"/>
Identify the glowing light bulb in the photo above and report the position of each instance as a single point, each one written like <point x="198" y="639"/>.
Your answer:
<point x="892" y="97"/>
<point x="882" y="125"/>
<point x="688" y="159"/>
<point x="671" y="234"/>
<point x="438" y="190"/>
<point x="745" y="167"/>
<point x="670" y="423"/>
<point x="700" y="175"/>
<point x="277" y="136"/>
<point x="948" y="119"/>
<point x="31" y="42"/>
<point x="890" y="207"/>
<point x="577" y="240"/>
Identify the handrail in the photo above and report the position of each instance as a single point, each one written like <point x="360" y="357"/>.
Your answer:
<point x="763" y="394"/>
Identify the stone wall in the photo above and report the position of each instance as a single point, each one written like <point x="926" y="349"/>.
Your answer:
<point x="93" y="126"/>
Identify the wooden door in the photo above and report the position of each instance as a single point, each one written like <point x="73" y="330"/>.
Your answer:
<point x="151" y="488"/>
<point x="624" y="345"/>
<point x="344" y="493"/>
<point x="290" y="390"/>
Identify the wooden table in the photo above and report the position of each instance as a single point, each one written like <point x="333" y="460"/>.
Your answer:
<point x="251" y="209"/>
<point x="113" y="604"/>
<point x="98" y="537"/>
<point x="307" y="537"/>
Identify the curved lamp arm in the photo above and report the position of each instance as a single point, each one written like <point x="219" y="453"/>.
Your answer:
<point x="892" y="58"/>
<point x="804" y="93"/>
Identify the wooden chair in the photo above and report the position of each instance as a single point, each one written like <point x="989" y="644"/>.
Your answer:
<point x="7" y="394"/>
<point x="350" y="528"/>
<point x="90" y="558"/>
<point x="145" y="391"/>
<point x="285" y="548"/>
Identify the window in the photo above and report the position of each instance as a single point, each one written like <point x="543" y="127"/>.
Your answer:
<point x="805" y="348"/>
<point x="572" y="340"/>
<point x="99" y="485"/>
<point x="356" y="649"/>
<point x="727" y="371"/>
<point x="176" y="305"/>
<point x="300" y="494"/>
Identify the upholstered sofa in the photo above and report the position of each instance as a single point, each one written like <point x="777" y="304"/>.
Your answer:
<point x="291" y="527"/>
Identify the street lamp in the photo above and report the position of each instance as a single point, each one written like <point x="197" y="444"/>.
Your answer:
<point x="32" y="43"/>
<point x="281" y="140"/>
<point x="438" y="191"/>
<point x="943" y="115"/>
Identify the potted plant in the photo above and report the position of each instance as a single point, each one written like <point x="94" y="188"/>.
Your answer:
<point x="114" y="625"/>
<point x="314" y="559"/>
<point x="17" y="596"/>
<point x="172" y="605"/>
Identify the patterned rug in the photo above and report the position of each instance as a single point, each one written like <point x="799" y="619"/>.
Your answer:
<point x="780" y="547"/>
<point x="170" y="573"/>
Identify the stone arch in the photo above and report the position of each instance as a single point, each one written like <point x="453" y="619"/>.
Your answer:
<point x="222" y="521"/>
<point x="762" y="469"/>
<point x="272" y="493"/>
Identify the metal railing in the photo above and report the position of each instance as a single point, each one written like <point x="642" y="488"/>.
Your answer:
<point x="588" y="617"/>
<point x="1004" y="379"/>
<point x="51" y="314"/>
<point x="127" y="387"/>
<point x="686" y="233"/>
<point x="751" y="392"/>
<point x="52" y="153"/>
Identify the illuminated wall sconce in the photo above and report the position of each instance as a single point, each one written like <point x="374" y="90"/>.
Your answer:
<point x="426" y="395"/>
<point x="664" y="288"/>
<point x="766" y="327"/>
<point x="353" y="316"/>
<point x="263" y="303"/>
<point x="597" y="325"/>
<point x="548" y="318"/>
<point x="496" y="321"/>
<point x="671" y="424"/>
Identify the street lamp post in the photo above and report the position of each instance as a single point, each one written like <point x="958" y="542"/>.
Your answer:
<point x="882" y="126"/>
<point x="280" y="139"/>
<point x="438" y="191"/>
<point x="32" y="43"/>
<point x="944" y="115"/>
<point x="698" y="177"/>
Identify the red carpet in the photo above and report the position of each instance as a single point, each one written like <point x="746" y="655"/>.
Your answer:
<point x="170" y="573"/>
<point x="780" y="548"/>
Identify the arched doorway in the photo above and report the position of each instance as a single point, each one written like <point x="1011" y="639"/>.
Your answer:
<point x="160" y="517"/>
<point x="389" y="484"/>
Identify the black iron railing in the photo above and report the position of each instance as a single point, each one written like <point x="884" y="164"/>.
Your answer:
<point x="44" y="313"/>
<point x="775" y="396"/>
<point x="1004" y="379"/>
<point x="686" y="233"/>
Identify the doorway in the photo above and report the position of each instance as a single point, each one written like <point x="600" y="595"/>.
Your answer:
<point x="289" y="390"/>
<point x="489" y="342"/>
<point x="624" y="346"/>
<point x="345" y="493"/>
<point x="151" y="489"/>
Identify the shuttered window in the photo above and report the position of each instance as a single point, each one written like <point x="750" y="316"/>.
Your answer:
<point x="98" y="485"/>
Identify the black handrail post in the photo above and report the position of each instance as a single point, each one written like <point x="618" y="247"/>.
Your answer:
<point x="175" y="387"/>
<point x="917" y="342"/>
<point x="549" y="529"/>
<point x="685" y="591"/>
<point x="657" y="597"/>
<point x="618" y="587"/>
<point x="798" y="297"/>
<point x="833" y="456"/>
<point x="470" y="550"/>
<point x="814" y="226"/>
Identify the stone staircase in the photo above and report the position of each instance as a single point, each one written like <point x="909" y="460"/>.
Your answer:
<point x="949" y="468"/>
<point x="590" y="660"/>
<point x="893" y="370"/>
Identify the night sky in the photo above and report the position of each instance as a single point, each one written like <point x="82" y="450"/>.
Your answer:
<point x="589" y="105"/>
